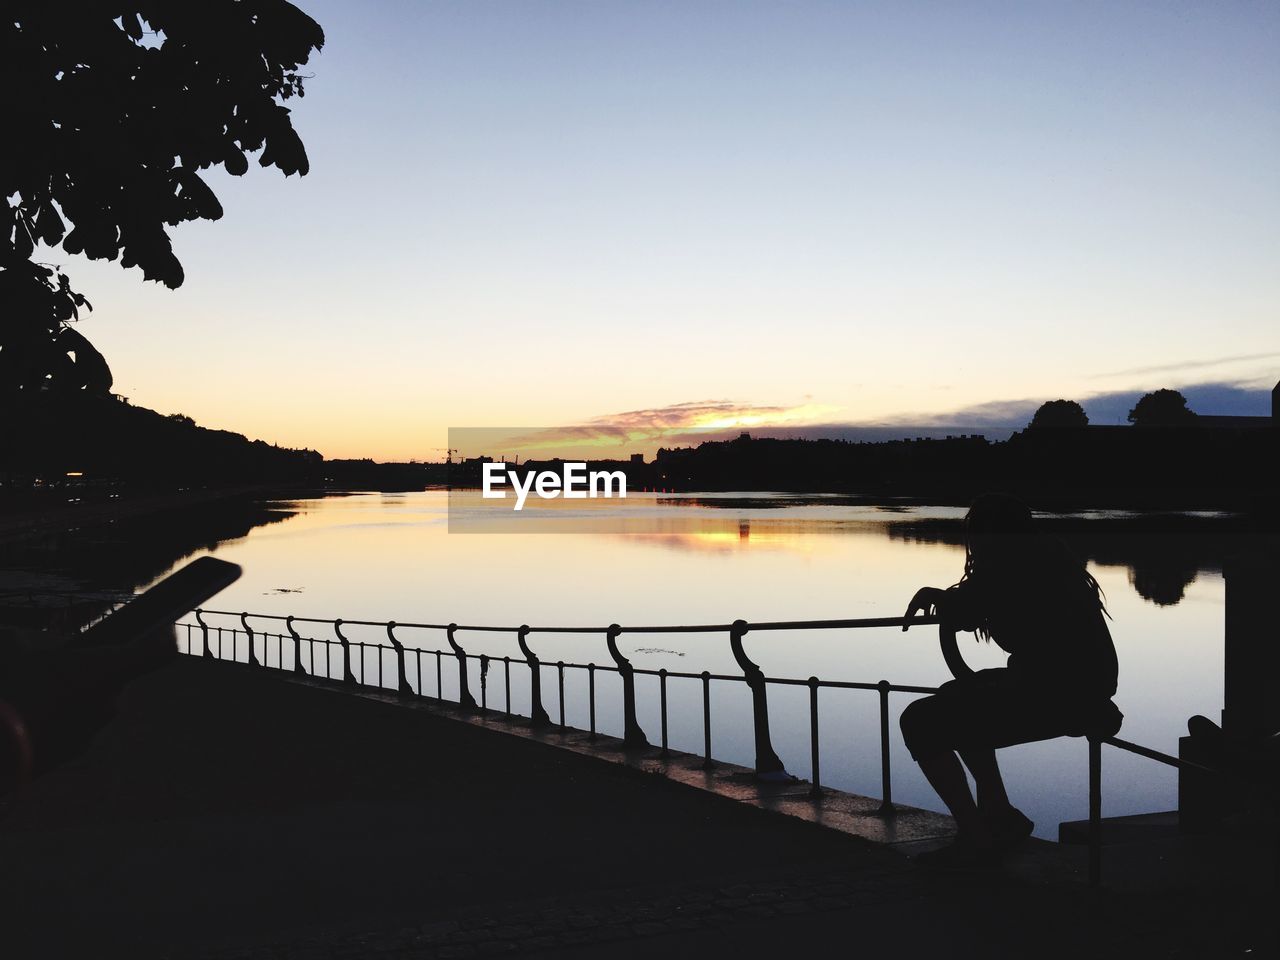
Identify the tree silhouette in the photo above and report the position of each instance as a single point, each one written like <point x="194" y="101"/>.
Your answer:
<point x="1060" y="413"/>
<point x="1163" y="408"/>
<point x="1163" y="581"/>
<point x="111" y="111"/>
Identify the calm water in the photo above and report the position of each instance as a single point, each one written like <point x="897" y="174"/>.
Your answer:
<point x="381" y="556"/>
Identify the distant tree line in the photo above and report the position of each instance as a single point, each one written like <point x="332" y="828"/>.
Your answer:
<point x="1179" y="466"/>
<point x="106" y="440"/>
<point x="1161" y="408"/>
<point x="1059" y="413"/>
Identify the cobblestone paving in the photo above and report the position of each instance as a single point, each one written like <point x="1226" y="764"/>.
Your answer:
<point x="1042" y="920"/>
<point x="524" y="930"/>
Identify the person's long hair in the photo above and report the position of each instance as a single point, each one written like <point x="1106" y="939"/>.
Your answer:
<point x="1006" y="517"/>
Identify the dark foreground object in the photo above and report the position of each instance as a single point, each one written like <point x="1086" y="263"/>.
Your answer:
<point x="54" y="701"/>
<point x="225" y="813"/>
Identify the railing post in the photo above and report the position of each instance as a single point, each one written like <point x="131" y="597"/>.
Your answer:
<point x="816" y="789"/>
<point x="347" y="676"/>
<point x="1095" y="812"/>
<point x="537" y="715"/>
<point x="506" y="681"/>
<point x="464" y="688"/>
<point x="591" y="696"/>
<point x="662" y="696"/>
<point x="633" y="735"/>
<point x="560" y="684"/>
<point x="405" y="686"/>
<point x="297" y="649"/>
<point x="768" y="766"/>
<point x="204" y="635"/>
<point x="706" y="720"/>
<point x="886" y="781"/>
<point x="253" y="657"/>
<point x="484" y="683"/>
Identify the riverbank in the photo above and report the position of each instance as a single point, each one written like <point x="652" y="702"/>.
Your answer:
<point x="107" y="550"/>
<point x="52" y="518"/>
<point x="303" y="822"/>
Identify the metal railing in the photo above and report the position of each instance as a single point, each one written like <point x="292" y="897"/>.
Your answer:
<point x="1095" y="790"/>
<point x="71" y="603"/>
<point x="767" y="763"/>
<point x="225" y="642"/>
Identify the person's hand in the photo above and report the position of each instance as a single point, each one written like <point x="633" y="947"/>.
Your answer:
<point x="925" y="601"/>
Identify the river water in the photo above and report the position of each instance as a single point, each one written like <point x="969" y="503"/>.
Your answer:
<point x="756" y="557"/>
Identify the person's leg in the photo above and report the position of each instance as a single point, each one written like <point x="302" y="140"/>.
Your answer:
<point x="1006" y="824"/>
<point x="1009" y="712"/>
<point x="926" y="728"/>
<point x="992" y="796"/>
<point x="946" y="776"/>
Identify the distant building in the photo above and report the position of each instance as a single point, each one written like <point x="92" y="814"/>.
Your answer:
<point x="1244" y="423"/>
<point x="1233" y="422"/>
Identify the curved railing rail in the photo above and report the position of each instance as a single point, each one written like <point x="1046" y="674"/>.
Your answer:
<point x="213" y="638"/>
<point x="767" y="763"/>
<point x="223" y="641"/>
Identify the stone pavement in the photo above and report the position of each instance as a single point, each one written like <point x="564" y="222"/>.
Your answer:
<point x="875" y="911"/>
<point x="229" y="814"/>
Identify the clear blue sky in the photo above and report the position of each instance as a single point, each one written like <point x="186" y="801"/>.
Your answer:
<point x="534" y="213"/>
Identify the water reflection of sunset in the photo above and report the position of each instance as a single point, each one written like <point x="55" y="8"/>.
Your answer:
<point x="379" y="557"/>
<point x="744" y="535"/>
<point x="716" y="541"/>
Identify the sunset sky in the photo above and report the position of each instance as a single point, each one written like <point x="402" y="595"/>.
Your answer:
<point x="537" y="213"/>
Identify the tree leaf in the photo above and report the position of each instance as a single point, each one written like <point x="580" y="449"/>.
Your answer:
<point x="51" y="227"/>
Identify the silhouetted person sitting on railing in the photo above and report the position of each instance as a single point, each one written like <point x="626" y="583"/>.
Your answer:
<point x="1026" y="592"/>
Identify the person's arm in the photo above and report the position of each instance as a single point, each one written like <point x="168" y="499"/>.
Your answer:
<point x="959" y="606"/>
<point x="956" y="605"/>
<point x="946" y="604"/>
<point x="926" y="601"/>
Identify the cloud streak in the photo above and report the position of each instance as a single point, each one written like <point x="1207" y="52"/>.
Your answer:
<point x="1186" y="365"/>
<point x="645" y="429"/>
<point x="1224" y="398"/>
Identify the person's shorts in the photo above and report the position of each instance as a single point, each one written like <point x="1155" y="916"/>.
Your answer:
<point x="992" y="709"/>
